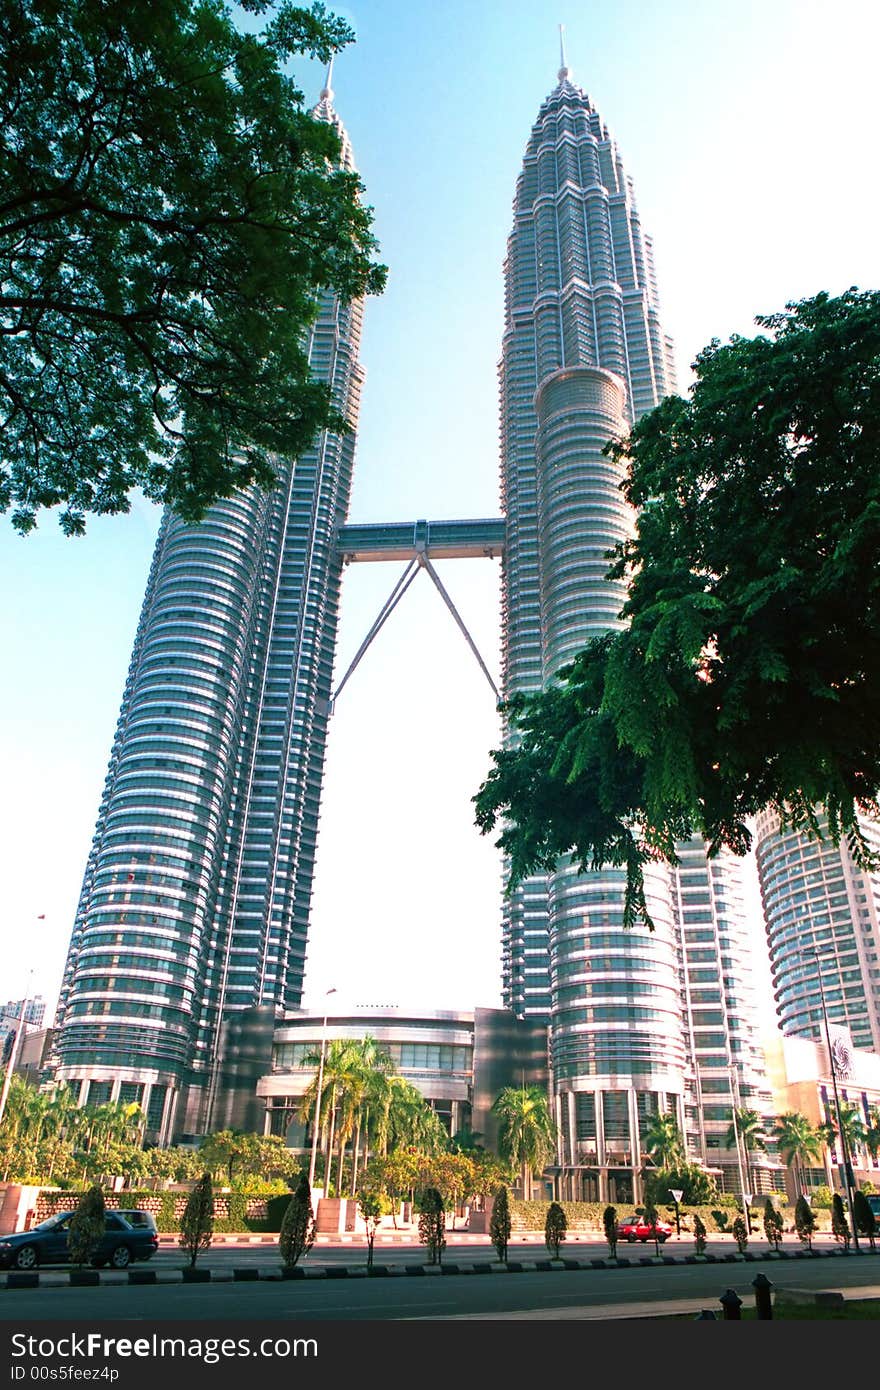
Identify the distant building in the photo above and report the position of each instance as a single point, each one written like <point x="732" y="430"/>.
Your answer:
<point x="801" y="1079"/>
<point x="822" y="915"/>
<point x="195" y="901"/>
<point x="459" y="1062"/>
<point x="640" y="1021"/>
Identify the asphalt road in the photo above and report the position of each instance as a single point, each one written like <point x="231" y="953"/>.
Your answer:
<point x="600" y="1294"/>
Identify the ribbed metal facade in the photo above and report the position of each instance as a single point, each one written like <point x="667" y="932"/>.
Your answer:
<point x="196" y="894"/>
<point x="816" y="899"/>
<point x="584" y="355"/>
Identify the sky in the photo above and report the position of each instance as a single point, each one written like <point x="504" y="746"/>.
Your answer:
<point x="749" y="129"/>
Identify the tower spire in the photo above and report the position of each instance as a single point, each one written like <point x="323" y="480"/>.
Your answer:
<point x="563" y="65"/>
<point x="327" y="90"/>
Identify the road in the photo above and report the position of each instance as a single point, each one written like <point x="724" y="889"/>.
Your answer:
<point x="570" y="1294"/>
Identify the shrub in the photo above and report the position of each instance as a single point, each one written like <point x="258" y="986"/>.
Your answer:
<point x="197" y="1222"/>
<point x="699" y="1236"/>
<point x="821" y="1197"/>
<point x="297" y="1234"/>
<point x="432" y="1224"/>
<point x="804" y="1221"/>
<point x="555" y="1228"/>
<point x="866" y="1221"/>
<point x="839" y="1224"/>
<point x="720" y="1218"/>
<point x="276" y="1209"/>
<point x="86" y="1227"/>
<point x="651" y="1218"/>
<point x="372" y="1206"/>
<point x="772" y="1224"/>
<point x="499" y="1225"/>
<point x="610" y="1223"/>
<point x="740" y="1234"/>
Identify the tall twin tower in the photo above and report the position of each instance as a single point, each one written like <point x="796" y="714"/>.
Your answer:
<point x="196" y="895"/>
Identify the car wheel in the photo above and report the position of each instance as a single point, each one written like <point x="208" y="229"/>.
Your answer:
<point x="631" y="1240"/>
<point x="26" y="1257"/>
<point x="662" y="1239"/>
<point x="121" y="1257"/>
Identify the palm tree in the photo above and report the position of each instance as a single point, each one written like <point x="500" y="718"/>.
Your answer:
<point x="526" y="1132"/>
<point x="411" y="1122"/>
<point x="855" y="1131"/>
<point x="662" y="1139"/>
<point x="751" y="1135"/>
<point x="798" y="1141"/>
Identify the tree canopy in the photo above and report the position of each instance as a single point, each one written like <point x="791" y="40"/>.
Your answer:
<point x="169" y="213"/>
<point x="747" y="674"/>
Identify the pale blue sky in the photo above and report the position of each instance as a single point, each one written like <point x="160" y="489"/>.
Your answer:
<point x="750" y="131"/>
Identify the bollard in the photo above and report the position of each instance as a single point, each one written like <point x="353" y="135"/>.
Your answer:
<point x="731" y="1303"/>
<point x="763" y="1297"/>
<point x="705" y="1314"/>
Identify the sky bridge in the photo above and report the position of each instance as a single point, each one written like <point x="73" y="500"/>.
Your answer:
<point x="404" y="540"/>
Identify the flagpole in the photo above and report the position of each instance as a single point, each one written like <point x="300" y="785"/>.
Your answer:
<point x="16" y="1047"/>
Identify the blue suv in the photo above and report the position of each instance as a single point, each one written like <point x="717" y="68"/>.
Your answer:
<point x="126" y="1238"/>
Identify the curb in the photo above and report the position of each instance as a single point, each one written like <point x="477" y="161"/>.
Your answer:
<point x="60" y="1278"/>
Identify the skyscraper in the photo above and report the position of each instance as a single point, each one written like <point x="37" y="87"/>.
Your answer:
<point x="822" y="914"/>
<point x="196" y="894"/>
<point x="583" y="356"/>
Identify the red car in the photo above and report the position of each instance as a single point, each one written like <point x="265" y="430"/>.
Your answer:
<point x="637" y="1228"/>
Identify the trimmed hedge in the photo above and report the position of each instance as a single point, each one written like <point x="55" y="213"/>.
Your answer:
<point x="587" y="1216"/>
<point x="233" y="1211"/>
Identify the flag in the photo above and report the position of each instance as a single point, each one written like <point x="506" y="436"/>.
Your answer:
<point x="842" y="1059"/>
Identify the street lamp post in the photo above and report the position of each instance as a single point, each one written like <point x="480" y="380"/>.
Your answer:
<point x="746" y="1197"/>
<point x="676" y="1193"/>
<point x="844" y="1147"/>
<point x="316" y="1124"/>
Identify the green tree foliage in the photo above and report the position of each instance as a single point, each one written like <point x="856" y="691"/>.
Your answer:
<point x="372" y="1206"/>
<point x="745" y="677"/>
<point x="855" y="1131"/>
<point x="748" y="1127"/>
<point x="866" y="1221"/>
<point x="699" y="1235"/>
<point x="804" y="1221"/>
<point x="241" y="1160"/>
<point x="610" y="1225"/>
<point x="839" y="1224"/>
<point x="297" y="1234"/>
<point x="652" y="1217"/>
<point x="432" y="1224"/>
<point x="740" y="1235"/>
<point x="526" y="1132"/>
<point x="500" y="1223"/>
<point x="197" y="1221"/>
<point x="86" y="1227"/>
<point x="773" y="1226"/>
<point x="555" y="1228"/>
<point x="799" y="1143"/>
<point x="662" y="1139"/>
<point x="698" y="1188"/>
<point x="169" y="212"/>
<point x="872" y="1132"/>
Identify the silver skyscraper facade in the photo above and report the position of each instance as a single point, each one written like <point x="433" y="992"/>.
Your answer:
<point x="584" y="355"/>
<point x="822" y="914"/>
<point x="196" y="895"/>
